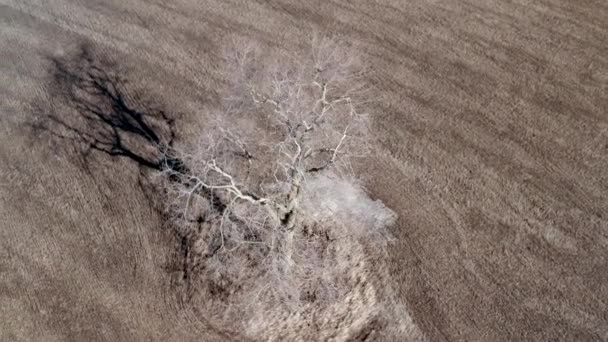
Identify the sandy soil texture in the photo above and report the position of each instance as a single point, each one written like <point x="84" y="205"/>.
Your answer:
<point x="492" y="126"/>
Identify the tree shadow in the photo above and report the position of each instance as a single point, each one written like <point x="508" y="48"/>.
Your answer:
<point x="92" y="109"/>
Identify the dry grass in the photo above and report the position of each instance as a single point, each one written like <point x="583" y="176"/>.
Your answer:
<point x="493" y="150"/>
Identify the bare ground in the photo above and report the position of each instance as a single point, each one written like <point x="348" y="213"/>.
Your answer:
<point x="492" y="121"/>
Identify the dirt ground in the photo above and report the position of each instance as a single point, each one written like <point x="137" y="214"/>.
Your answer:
<point x="492" y="126"/>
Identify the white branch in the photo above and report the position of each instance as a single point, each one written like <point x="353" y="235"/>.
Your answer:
<point x="333" y="157"/>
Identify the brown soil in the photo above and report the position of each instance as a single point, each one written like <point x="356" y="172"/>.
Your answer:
<point x="492" y="122"/>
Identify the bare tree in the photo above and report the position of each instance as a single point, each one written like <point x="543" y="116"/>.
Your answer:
<point x="284" y="122"/>
<point x="262" y="189"/>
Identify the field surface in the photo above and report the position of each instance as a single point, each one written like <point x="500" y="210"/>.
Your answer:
<point x="492" y="126"/>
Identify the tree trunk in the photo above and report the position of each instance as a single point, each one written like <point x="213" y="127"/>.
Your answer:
<point x="289" y="248"/>
<point x="286" y="215"/>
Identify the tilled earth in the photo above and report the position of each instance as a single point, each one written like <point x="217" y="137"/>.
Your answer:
<point x="492" y="131"/>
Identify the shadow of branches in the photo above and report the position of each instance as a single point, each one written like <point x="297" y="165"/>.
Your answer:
<point x="93" y="110"/>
